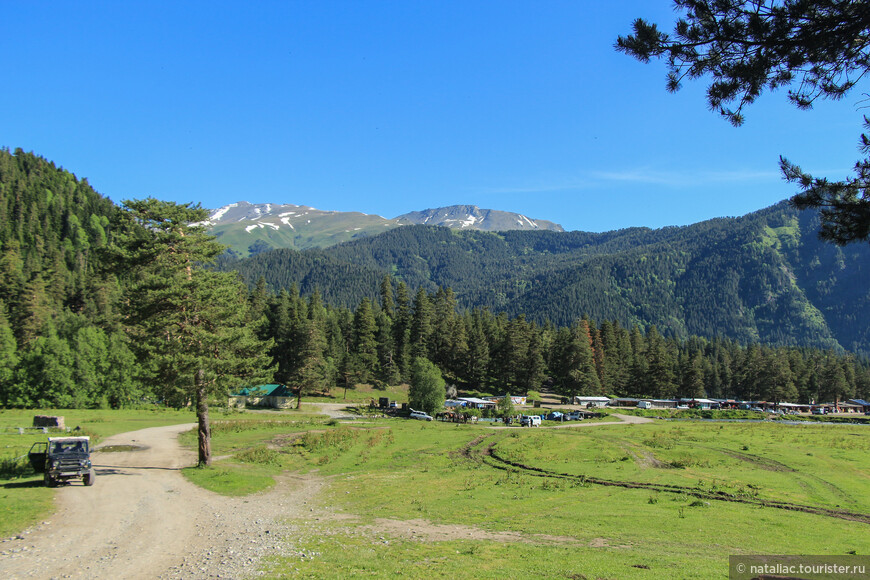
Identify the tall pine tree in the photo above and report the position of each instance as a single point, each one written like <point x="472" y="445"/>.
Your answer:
<point x="190" y="326"/>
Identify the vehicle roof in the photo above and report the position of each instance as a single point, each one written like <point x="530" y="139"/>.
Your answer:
<point x="72" y="439"/>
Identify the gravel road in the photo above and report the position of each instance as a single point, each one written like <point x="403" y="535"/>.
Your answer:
<point x="142" y="519"/>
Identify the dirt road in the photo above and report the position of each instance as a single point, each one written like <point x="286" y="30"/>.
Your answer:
<point x="142" y="519"/>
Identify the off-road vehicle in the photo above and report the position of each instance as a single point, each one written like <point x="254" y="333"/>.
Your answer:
<point x="63" y="459"/>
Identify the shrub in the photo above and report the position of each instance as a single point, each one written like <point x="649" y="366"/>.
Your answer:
<point x="341" y="438"/>
<point x="11" y="467"/>
<point x="260" y="455"/>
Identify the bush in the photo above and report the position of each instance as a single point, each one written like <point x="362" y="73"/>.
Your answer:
<point x="12" y="467"/>
<point x="341" y="438"/>
<point x="260" y="455"/>
<point x="426" y="392"/>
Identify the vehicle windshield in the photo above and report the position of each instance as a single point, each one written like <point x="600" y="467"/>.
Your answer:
<point x="69" y="447"/>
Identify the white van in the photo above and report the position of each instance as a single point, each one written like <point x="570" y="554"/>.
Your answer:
<point x="530" y="421"/>
<point x="644" y="405"/>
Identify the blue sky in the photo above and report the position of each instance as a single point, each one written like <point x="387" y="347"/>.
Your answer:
<point x="395" y="106"/>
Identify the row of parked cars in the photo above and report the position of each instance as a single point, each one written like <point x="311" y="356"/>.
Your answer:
<point x="525" y="420"/>
<point x="569" y="416"/>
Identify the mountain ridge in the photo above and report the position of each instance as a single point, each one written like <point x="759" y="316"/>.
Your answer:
<point x="764" y="277"/>
<point x="250" y="228"/>
<point x="473" y="217"/>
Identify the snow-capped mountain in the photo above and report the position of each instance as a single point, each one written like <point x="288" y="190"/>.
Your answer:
<point x="474" y="218"/>
<point x="250" y="228"/>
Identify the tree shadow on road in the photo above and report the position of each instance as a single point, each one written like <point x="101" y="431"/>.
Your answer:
<point x="120" y="469"/>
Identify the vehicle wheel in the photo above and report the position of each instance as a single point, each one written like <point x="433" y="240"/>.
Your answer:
<point x="49" y="481"/>
<point x="89" y="477"/>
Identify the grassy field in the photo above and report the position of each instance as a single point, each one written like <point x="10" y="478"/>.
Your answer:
<point x="565" y="513"/>
<point x="362" y="394"/>
<point x="23" y="498"/>
<point x="658" y="500"/>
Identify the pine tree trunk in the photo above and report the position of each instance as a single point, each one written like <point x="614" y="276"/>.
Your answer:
<point x="202" y="419"/>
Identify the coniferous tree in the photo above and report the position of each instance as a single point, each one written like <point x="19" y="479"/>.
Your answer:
<point x="34" y="312"/>
<point x="751" y="373"/>
<point x="388" y="369"/>
<point x="777" y="378"/>
<point x="402" y="330"/>
<point x="576" y="374"/>
<point x="616" y="347"/>
<point x="833" y="386"/>
<point x="443" y="327"/>
<point x="598" y="353"/>
<point x="259" y="301"/>
<point x="692" y="376"/>
<point x="311" y="368"/>
<point x="280" y="326"/>
<point x="365" y="345"/>
<point x="639" y="384"/>
<point x="421" y="325"/>
<point x="533" y="368"/>
<point x="8" y="357"/>
<point x="387" y="302"/>
<point x="478" y="351"/>
<point x="319" y="317"/>
<point x="12" y="279"/>
<point x="189" y="325"/>
<point x="660" y="365"/>
<point x="746" y="46"/>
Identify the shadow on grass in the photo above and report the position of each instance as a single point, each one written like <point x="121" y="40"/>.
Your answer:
<point x="24" y="484"/>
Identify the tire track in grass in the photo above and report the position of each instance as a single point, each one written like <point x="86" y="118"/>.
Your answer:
<point x="488" y="455"/>
<point x="768" y="464"/>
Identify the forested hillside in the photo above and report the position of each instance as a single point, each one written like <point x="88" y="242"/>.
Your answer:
<point x="480" y="351"/>
<point x="763" y="277"/>
<point x="60" y="336"/>
<point x="82" y="280"/>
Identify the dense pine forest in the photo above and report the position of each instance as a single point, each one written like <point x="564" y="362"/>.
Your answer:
<point x="477" y="350"/>
<point x="764" y="277"/>
<point x="61" y="339"/>
<point x="77" y="272"/>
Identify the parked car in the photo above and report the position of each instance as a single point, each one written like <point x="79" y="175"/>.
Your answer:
<point x="574" y="416"/>
<point x="530" y="421"/>
<point x="420" y="415"/>
<point x="63" y="459"/>
<point x="644" y="405"/>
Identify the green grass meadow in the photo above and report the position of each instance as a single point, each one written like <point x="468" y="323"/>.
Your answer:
<point x="475" y="514"/>
<point x="435" y="472"/>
